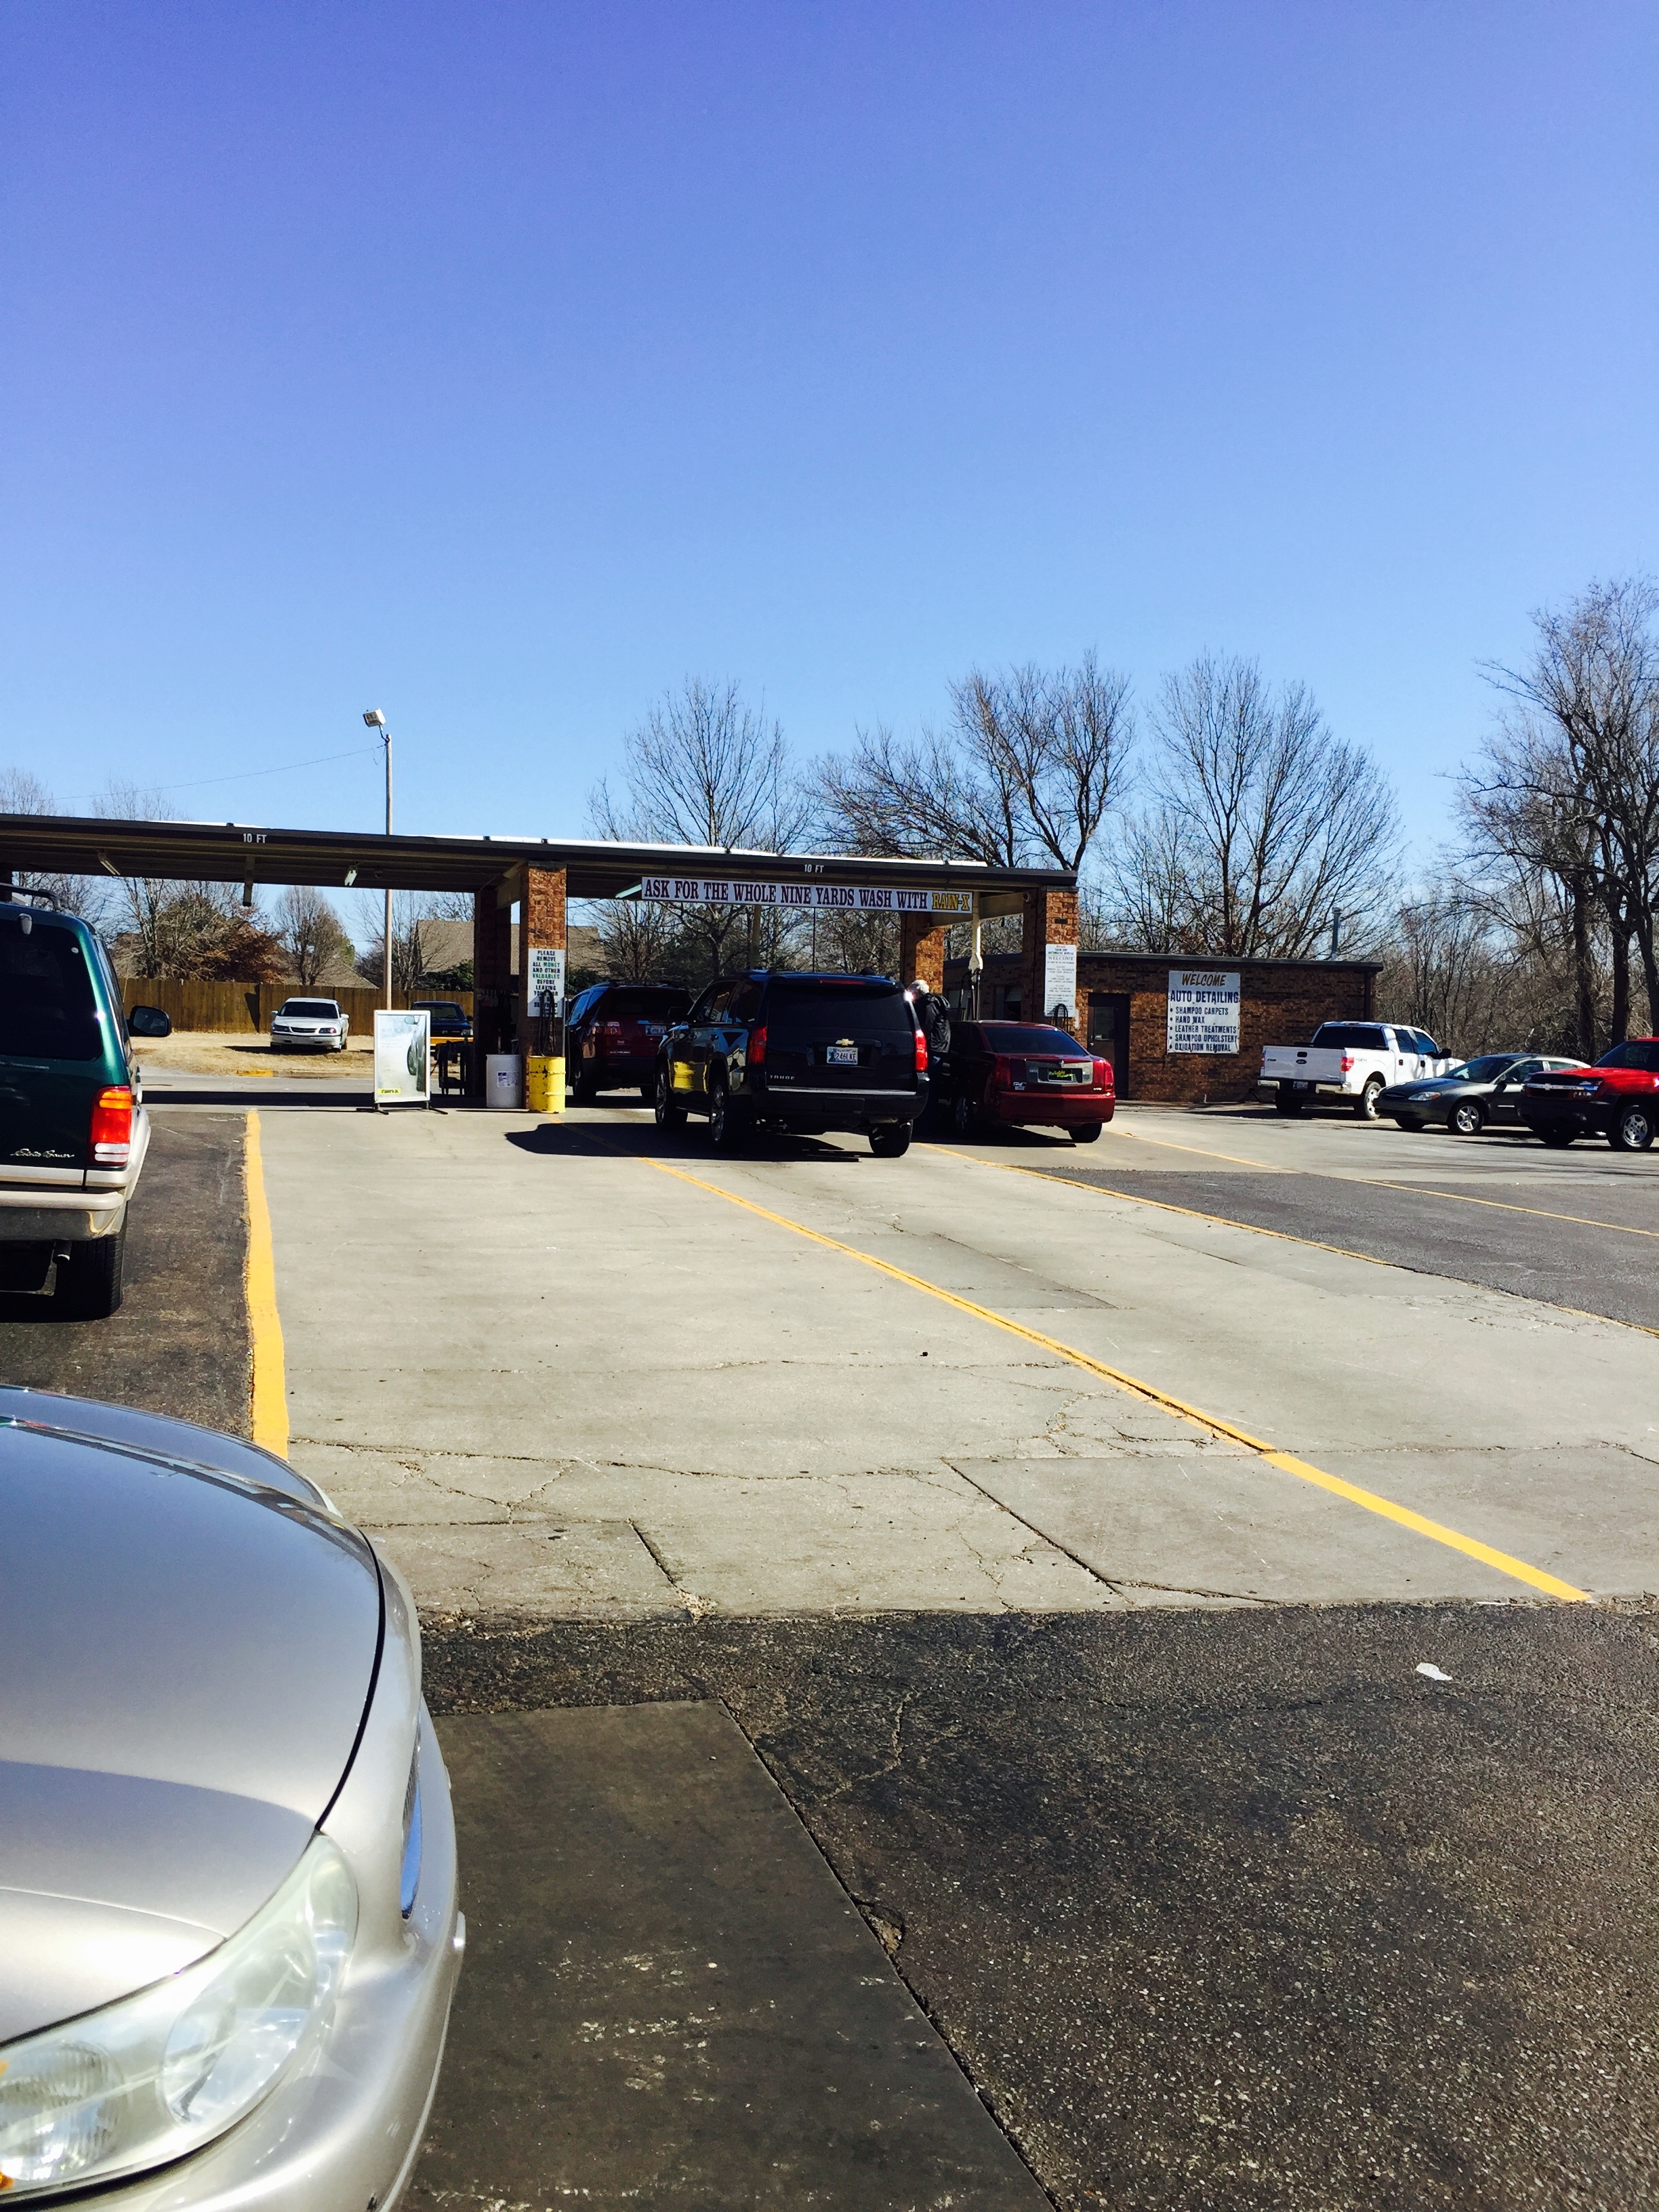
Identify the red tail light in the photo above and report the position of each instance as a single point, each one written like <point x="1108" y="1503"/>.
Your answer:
<point x="1102" y="1075"/>
<point x="1347" y="1063"/>
<point x="921" y="1054"/>
<point x="758" y="1047"/>
<point x="1002" y="1074"/>
<point x="111" y="1136"/>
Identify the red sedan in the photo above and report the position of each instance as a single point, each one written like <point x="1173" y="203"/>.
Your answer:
<point x="1018" y="1074"/>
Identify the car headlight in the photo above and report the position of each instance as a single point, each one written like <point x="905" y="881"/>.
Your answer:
<point x="158" y="2075"/>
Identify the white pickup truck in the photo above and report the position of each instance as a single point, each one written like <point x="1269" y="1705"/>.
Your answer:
<point x="1352" y="1061"/>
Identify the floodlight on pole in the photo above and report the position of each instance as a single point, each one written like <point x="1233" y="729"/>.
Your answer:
<point x="376" y="720"/>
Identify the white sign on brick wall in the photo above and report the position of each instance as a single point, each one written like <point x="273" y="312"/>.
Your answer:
<point x="1203" y="1009"/>
<point x="1059" y="978"/>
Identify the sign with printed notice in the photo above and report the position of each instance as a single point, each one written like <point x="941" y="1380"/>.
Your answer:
<point x="1059" y="979"/>
<point x="403" y="1057"/>
<point x="1203" y="1009"/>
<point x="546" y="978"/>
<point x="809" y="898"/>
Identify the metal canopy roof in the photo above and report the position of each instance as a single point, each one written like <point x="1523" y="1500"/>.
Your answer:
<point x="238" y="853"/>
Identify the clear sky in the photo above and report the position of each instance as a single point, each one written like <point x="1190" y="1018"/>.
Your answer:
<point x="502" y="364"/>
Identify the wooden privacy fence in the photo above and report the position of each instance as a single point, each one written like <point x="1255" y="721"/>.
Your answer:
<point x="248" y="1007"/>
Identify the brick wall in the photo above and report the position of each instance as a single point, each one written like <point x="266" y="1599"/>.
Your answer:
<point x="1280" y="1002"/>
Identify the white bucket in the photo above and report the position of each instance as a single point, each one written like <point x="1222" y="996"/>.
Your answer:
<point x="503" y="1079"/>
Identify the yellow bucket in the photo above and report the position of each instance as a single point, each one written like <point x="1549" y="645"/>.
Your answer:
<point x="543" y="1083"/>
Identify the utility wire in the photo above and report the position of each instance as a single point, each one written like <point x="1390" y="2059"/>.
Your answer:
<point x="246" y="775"/>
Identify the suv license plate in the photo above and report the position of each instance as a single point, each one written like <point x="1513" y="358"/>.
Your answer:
<point x="842" y="1055"/>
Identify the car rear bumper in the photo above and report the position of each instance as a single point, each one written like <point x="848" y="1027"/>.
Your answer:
<point x="807" y="1106"/>
<point x="59" y="1217"/>
<point x="1040" y="1109"/>
<point x="616" y="1070"/>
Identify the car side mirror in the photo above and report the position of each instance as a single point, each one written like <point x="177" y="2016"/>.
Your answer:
<point x="149" y="1022"/>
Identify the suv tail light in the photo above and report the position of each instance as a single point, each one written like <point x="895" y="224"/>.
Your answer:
<point x="1347" y="1063"/>
<point x="111" y="1136"/>
<point x="1102" y="1075"/>
<point x="758" y="1047"/>
<point x="921" y="1054"/>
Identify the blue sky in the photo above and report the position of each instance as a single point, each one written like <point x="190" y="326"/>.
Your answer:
<point x="502" y="364"/>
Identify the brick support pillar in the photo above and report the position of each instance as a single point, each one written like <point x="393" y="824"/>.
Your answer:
<point x="541" y="929"/>
<point x="492" y="962"/>
<point x="921" y="951"/>
<point x="1047" y="966"/>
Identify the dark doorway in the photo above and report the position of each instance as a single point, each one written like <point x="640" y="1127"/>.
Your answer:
<point x="1108" y="1033"/>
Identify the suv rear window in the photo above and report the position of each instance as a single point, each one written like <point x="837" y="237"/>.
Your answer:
<point x="1640" y="1052"/>
<point x="1020" y="1036"/>
<point x="643" y="1003"/>
<point x="802" y="1006"/>
<point x="47" y="1009"/>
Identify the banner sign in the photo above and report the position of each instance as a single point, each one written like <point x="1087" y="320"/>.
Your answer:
<point x="809" y="896"/>
<point x="403" y="1058"/>
<point x="1203" y="1011"/>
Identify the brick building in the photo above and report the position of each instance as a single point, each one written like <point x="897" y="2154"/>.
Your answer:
<point x="1123" y="1013"/>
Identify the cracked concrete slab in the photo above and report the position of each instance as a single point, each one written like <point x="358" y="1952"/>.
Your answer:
<point x="566" y="1331"/>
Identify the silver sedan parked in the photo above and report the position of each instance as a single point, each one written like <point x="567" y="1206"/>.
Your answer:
<point x="228" y="1935"/>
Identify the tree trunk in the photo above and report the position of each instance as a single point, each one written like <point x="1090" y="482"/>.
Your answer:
<point x="1649" y="971"/>
<point x="1618" y="1023"/>
<point x="1584" y="969"/>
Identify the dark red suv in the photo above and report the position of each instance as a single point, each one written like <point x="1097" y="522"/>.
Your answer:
<point x="998" y="1073"/>
<point x="612" y="1034"/>
<point x="1618" y="1099"/>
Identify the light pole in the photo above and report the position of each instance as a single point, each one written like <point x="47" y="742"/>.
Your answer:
<point x="376" y="720"/>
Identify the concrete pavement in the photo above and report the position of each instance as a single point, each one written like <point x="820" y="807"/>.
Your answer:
<point x="558" y="1380"/>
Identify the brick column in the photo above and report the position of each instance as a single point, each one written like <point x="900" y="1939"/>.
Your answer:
<point x="1047" y="966"/>
<point x="541" y="929"/>
<point x="492" y="962"/>
<point x="921" y="951"/>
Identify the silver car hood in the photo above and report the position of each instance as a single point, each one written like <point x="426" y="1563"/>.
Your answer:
<point x="188" y="1643"/>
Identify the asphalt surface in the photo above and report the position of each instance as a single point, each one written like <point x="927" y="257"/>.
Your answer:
<point x="179" y="1343"/>
<point x="1518" y="1240"/>
<point x="1222" y="1910"/>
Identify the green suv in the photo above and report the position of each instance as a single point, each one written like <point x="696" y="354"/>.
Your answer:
<point x="73" y="1129"/>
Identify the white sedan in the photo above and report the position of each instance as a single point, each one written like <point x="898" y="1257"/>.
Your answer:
<point x="320" y="1024"/>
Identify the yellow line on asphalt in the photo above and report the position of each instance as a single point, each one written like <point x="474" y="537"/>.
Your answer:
<point x="1535" y="1577"/>
<point x="1376" y="1183"/>
<point x="269" y="1406"/>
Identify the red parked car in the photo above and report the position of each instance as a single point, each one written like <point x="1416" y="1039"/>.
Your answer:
<point x="612" y="1034"/>
<point x="1618" y="1099"/>
<point x="1018" y="1074"/>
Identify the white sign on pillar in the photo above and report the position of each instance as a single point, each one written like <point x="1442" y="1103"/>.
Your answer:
<point x="546" y="978"/>
<point x="1203" y="1009"/>
<point x="1059" y="978"/>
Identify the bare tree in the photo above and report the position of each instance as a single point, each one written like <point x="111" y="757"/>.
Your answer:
<point x="312" y="933"/>
<point x="408" y="962"/>
<point x="705" y="768"/>
<point x="1264" y="829"/>
<point x="1571" y="781"/>
<point x="21" y="792"/>
<point x="1031" y="762"/>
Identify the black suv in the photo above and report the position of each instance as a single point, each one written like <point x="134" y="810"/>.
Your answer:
<point x="807" y="1053"/>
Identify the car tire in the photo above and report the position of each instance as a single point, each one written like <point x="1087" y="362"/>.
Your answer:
<point x="670" y="1116"/>
<point x="1466" y="1118"/>
<point x="1410" y="1123"/>
<point x="890" y="1140"/>
<point x="584" y="1088"/>
<point x="963" y="1120"/>
<point x="1633" y="1129"/>
<point x="1556" y="1139"/>
<point x="90" y="1285"/>
<point x="1366" y="1105"/>
<point x="1088" y="1134"/>
<point x="726" y="1127"/>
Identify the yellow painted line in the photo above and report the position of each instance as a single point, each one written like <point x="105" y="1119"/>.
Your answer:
<point x="1470" y="1547"/>
<point x="270" y="1410"/>
<point x="1283" y="1236"/>
<point x="1376" y="1183"/>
